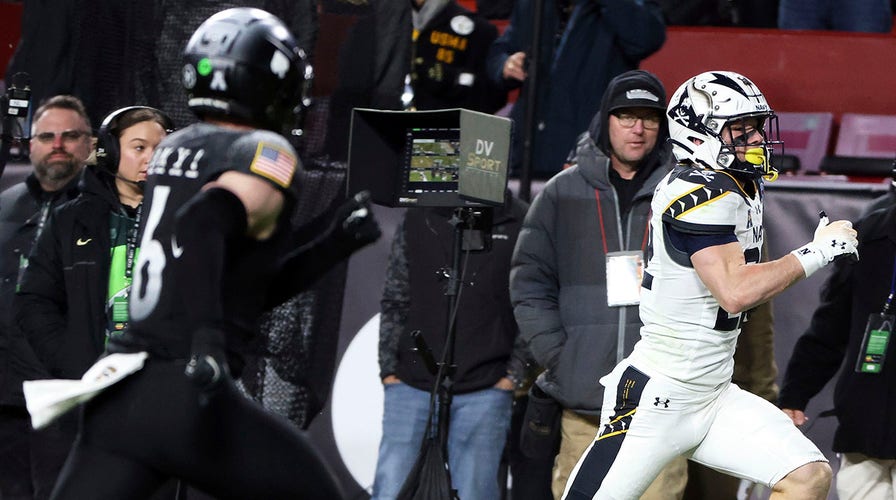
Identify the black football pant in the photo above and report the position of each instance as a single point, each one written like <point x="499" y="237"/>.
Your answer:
<point x="151" y="426"/>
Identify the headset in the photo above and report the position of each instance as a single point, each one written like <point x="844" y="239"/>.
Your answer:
<point x="108" y="150"/>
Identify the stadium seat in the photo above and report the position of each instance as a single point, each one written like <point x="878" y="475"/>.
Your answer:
<point x="866" y="146"/>
<point x="805" y="136"/>
<point x="867" y="136"/>
<point x="786" y="163"/>
<point x="857" y="166"/>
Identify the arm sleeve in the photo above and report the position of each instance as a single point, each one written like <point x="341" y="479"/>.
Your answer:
<point x="40" y="304"/>
<point x="503" y="46"/>
<point x="521" y="365"/>
<point x="534" y="286"/>
<point x="394" y="305"/>
<point x="320" y="246"/>
<point x="639" y="26"/>
<point x="315" y="253"/>
<point x="204" y="226"/>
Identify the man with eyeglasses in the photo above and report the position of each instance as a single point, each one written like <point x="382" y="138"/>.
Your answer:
<point x="60" y="145"/>
<point x="576" y="268"/>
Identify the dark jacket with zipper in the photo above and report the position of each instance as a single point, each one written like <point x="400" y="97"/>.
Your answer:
<point x="20" y="215"/>
<point x="61" y="304"/>
<point x="414" y="299"/>
<point x="865" y="404"/>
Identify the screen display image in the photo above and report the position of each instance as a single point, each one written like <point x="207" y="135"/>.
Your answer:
<point x="432" y="160"/>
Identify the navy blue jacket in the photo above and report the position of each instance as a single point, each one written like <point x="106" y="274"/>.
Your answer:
<point x="603" y="38"/>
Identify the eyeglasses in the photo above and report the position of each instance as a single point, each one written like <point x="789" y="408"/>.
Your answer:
<point x="628" y="120"/>
<point x="68" y="136"/>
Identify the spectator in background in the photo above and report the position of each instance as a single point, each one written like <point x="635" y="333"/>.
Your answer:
<point x="447" y="67"/>
<point x="742" y="13"/>
<point x="874" y="16"/>
<point x="854" y="300"/>
<point x="494" y="9"/>
<point x="73" y="295"/>
<point x="45" y="51"/>
<point x="583" y="45"/>
<point x="589" y="217"/>
<point x="60" y="145"/>
<point x="447" y="70"/>
<point x="75" y="292"/>
<point x="372" y="66"/>
<point x="487" y="369"/>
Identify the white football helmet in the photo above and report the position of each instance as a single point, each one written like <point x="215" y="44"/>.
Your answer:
<point x="702" y="107"/>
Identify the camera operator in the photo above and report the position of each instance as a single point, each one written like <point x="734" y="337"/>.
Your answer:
<point x="486" y="373"/>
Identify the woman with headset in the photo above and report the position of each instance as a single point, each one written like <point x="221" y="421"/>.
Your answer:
<point x="74" y="294"/>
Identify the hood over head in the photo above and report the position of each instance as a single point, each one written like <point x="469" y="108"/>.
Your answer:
<point x="632" y="89"/>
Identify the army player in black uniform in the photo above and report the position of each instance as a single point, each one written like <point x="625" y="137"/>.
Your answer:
<point x="216" y="251"/>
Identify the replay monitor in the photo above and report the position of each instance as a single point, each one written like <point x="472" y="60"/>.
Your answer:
<point x="441" y="158"/>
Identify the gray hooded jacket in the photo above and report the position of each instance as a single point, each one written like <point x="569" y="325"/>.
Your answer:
<point x="558" y="276"/>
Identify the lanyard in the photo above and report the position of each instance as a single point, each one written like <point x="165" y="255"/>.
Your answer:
<point x="132" y="244"/>
<point x="892" y="289"/>
<point x="603" y="233"/>
<point x="42" y="221"/>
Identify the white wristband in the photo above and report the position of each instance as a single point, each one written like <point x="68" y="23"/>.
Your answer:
<point x="810" y="258"/>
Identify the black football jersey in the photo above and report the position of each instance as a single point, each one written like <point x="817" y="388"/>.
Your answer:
<point x="163" y="292"/>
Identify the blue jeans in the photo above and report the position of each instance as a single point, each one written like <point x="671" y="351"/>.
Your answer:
<point x="478" y="430"/>
<point x="844" y="15"/>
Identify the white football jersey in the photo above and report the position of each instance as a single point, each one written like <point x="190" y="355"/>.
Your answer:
<point x="686" y="335"/>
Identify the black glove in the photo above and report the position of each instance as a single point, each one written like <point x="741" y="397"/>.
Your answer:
<point x="355" y="224"/>
<point x="207" y="368"/>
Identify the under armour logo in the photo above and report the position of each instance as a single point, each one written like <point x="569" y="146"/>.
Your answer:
<point x="661" y="402"/>
<point x="841" y="244"/>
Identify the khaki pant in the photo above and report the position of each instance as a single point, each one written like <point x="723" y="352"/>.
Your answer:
<point x="861" y="477"/>
<point x="577" y="431"/>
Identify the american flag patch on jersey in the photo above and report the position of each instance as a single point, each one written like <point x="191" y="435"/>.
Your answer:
<point x="274" y="164"/>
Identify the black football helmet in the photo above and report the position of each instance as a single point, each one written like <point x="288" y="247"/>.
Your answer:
<point x="243" y="64"/>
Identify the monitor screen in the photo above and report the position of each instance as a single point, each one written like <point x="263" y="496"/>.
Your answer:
<point x="431" y="166"/>
<point x="438" y="158"/>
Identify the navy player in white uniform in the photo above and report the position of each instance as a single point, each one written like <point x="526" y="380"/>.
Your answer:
<point x="673" y="395"/>
<point x="217" y="249"/>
